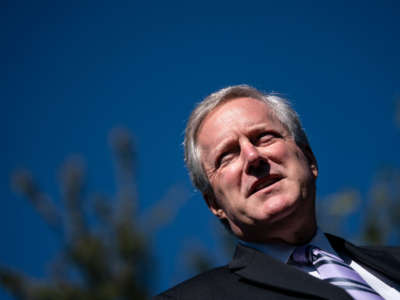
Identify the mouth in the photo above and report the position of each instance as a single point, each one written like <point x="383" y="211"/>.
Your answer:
<point x="263" y="183"/>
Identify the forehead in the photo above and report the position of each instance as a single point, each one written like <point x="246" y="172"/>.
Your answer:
<point x="240" y="114"/>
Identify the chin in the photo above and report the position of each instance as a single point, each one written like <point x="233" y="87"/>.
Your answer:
<point x="278" y="207"/>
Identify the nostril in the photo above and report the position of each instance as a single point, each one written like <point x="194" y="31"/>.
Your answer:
<point x="258" y="167"/>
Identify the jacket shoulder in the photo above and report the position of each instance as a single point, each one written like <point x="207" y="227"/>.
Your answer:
<point x="200" y="286"/>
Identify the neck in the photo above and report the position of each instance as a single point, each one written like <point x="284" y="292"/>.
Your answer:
<point x="298" y="236"/>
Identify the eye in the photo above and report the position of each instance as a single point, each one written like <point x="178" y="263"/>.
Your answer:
<point x="266" y="138"/>
<point x="225" y="157"/>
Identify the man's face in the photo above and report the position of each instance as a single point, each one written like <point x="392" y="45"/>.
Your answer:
<point x="262" y="181"/>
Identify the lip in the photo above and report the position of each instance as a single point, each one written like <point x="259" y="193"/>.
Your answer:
<point x="263" y="183"/>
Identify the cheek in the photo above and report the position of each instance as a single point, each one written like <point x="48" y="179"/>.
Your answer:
<point x="229" y="178"/>
<point x="293" y="156"/>
<point x="277" y="153"/>
<point x="300" y="171"/>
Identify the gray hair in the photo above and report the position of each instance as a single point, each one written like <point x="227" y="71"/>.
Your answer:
<point x="280" y="108"/>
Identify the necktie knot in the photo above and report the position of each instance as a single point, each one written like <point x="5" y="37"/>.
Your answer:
<point x="303" y="255"/>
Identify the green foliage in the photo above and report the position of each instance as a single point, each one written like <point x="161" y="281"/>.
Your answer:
<point x="105" y="250"/>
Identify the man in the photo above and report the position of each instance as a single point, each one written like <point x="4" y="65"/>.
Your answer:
<point x="249" y="156"/>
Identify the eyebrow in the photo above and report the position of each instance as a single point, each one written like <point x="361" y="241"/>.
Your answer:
<point x="228" y="142"/>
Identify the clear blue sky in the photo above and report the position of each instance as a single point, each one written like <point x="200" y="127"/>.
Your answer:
<point x="71" y="72"/>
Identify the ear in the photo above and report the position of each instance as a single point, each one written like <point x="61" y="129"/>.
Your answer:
<point x="214" y="207"/>
<point x="312" y="161"/>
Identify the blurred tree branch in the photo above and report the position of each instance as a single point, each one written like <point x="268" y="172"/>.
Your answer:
<point x="109" y="262"/>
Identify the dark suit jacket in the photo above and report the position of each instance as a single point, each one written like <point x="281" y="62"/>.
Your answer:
<point x="254" y="275"/>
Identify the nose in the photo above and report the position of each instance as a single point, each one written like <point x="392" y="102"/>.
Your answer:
<point x="255" y="163"/>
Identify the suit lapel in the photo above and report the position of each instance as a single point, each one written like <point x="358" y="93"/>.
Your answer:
<point x="257" y="267"/>
<point x="375" y="258"/>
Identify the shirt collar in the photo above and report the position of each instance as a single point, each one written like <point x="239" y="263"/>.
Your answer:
<point x="282" y="252"/>
<point x="320" y="240"/>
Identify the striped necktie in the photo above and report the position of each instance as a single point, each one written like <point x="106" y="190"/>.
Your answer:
<point x="334" y="270"/>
